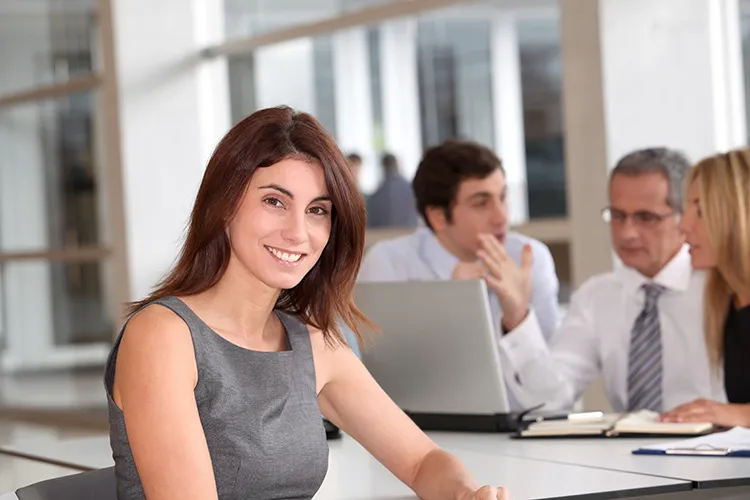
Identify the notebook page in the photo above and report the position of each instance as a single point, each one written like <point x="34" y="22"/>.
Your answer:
<point x="737" y="438"/>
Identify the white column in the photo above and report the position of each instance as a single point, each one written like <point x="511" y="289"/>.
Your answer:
<point x="174" y="108"/>
<point x="284" y="75"/>
<point x="640" y="73"/>
<point x="400" y="93"/>
<point x="354" y="117"/>
<point x="507" y="106"/>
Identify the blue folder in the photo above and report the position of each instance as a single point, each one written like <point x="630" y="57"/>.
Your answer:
<point x="695" y="452"/>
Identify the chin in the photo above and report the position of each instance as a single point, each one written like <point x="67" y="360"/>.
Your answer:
<point x="283" y="282"/>
<point x="701" y="263"/>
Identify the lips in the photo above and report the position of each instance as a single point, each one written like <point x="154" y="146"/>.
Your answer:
<point x="285" y="256"/>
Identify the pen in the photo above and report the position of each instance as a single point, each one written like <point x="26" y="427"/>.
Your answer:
<point x="573" y="417"/>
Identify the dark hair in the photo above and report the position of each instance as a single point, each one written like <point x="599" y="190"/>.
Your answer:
<point x="443" y="168"/>
<point x="389" y="163"/>
<point x="261" y="140"/>
<point x="672" y="164"/>
<point x="354" y="158"/>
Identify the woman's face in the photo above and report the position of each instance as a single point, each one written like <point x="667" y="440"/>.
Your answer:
<point x="283" y="222"/>
<point x="696" y="231"/>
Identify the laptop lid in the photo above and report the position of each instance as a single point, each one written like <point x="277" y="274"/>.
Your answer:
<point x="436" y="352"/>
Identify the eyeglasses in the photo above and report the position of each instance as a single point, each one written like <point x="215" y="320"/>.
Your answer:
<point x="641" y="218"/>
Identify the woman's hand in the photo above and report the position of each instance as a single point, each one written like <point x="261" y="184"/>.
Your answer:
<point x="704" y="410"/>
<point x="488" y="493"/>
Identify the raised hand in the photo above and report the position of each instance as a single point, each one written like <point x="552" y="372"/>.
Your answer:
<point x="511" y="283"/>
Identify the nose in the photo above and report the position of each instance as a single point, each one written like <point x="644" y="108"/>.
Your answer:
<point x="499" y="213"/>
<point x="295" y="228"/>
<point x="627" y="229"/>
<point x="684" y="224"/>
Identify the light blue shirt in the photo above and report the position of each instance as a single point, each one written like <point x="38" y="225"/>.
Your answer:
<point x="420" y="256"/>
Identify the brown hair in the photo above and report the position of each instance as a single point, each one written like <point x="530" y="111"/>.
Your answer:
<point x="725" y="206"/>
<point x="443" y="168"/>
<point x="262" y="139"/>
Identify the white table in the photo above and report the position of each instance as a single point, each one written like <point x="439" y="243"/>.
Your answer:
<point x="354" y="475"/>
<point x="611" y="454"/>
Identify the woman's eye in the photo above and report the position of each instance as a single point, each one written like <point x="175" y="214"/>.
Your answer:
<point x="274" y="202"/>
<point x="319" y="211"/>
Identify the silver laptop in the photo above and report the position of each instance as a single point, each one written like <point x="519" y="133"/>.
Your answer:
<point x="436" y="355"/>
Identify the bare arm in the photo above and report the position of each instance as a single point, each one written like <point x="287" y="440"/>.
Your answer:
<point x="351" y="399"/>
<point x="154" y="382"/>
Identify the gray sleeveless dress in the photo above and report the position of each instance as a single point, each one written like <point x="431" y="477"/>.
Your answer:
<point x="259" y="412"/>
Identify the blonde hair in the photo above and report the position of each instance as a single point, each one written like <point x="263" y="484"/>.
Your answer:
<point x="725" y="205"/>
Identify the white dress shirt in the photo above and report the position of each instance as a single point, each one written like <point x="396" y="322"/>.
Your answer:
<point x="594" y="339"/>
<point x="420" y="256"/>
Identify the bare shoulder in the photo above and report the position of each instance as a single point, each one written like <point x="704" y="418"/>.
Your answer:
<point x="329" y="359"/>
<point x="156" y="345"/>
<point x="155" y="326"/>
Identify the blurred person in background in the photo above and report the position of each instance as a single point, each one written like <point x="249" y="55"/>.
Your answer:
<point x="392" y="203"/>
<point x="355" y="164"/>
<point x="717" y="227"/>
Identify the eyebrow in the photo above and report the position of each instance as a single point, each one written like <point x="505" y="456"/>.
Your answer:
<point x="289" y="194"/>
<point x="483" y="194"/>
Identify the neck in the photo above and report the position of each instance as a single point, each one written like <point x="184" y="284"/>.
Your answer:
<point x="458" y="252"/>
<point x="240" y="302"/>
<point x="742" y="301"/>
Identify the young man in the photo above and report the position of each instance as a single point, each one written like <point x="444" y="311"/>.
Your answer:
<point x="460" y="192"/>
<point x="640" y="326"/>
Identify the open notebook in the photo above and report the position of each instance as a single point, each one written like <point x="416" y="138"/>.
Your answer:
<point x="643" y="423"/>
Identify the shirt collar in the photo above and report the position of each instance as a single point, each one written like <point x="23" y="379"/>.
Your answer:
<point x="675" y="276"/>
<point x="440" y="260"/>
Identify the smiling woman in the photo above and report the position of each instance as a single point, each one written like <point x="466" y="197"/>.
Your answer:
<point x="259" y="164"/>
<point x="217" y="382"/>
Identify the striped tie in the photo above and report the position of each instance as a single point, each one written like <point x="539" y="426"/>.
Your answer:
<point x="644" y="362"/>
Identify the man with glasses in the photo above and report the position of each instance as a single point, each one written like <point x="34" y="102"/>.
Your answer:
<point x="640" y="327"/>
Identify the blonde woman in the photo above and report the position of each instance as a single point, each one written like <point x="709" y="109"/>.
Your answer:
<point x="717" y="226"/>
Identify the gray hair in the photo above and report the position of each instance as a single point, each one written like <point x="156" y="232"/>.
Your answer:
<point x="672" y="164"/>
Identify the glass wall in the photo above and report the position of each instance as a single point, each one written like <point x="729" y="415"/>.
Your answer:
<point x="541" y="76"/>
<point x="403" y="85"/>
<point x="245" y="18"/>
<point x="55" y="306"/>
<point x="45" y="43"/>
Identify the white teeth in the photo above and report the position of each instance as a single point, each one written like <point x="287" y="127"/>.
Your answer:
<point x="286" y="257"/>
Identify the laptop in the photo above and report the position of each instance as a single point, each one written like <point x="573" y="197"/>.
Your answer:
<point x="436" y="355"/>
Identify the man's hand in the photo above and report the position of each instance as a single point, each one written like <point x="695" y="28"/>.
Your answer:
<point x="469" y="271"/>
<point x="704" y="410"/>
<point x="511" y="283"/>
<point x="488" y="493"/>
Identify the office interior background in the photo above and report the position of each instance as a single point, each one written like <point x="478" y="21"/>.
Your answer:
<point x="110" y="109"/>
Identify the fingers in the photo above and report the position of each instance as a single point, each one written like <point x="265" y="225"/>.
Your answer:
<point x="493" y="265"/>
<point x="486" y="493"/>
<point x="527" y="257"/>
<point x="491" y="493"/>
<point x="503" y="494"/>
<point x="697" y="411"/>
<point x="492" y="246"/>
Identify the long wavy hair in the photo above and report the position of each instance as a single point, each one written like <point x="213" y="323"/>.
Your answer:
<point x="724" y="181"/>
<point x="262" y="139"/>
